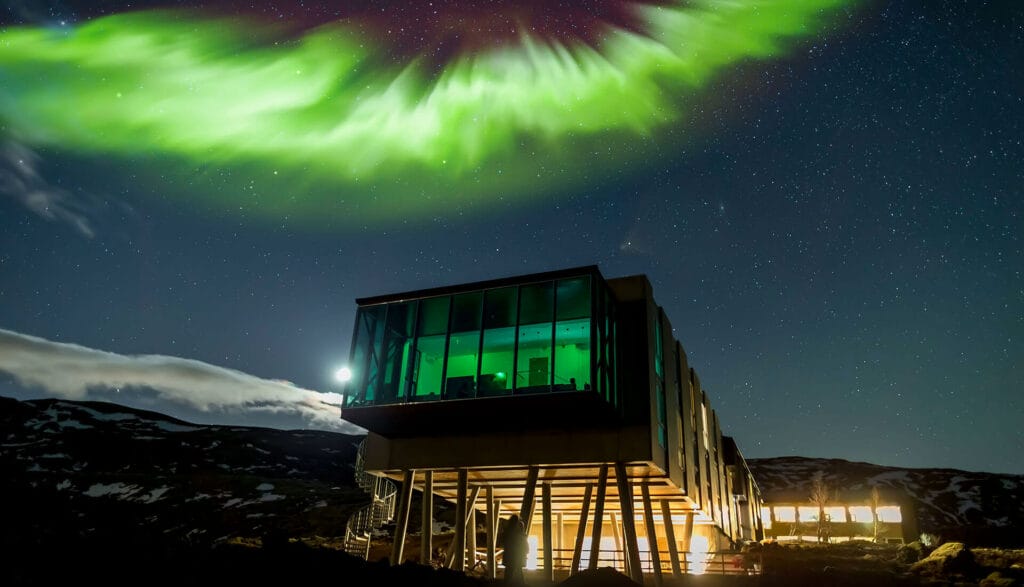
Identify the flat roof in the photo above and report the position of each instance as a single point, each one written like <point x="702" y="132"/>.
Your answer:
<point x="480" y="285"/>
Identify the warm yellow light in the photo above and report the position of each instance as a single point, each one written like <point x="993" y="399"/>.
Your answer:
<point x="698" y="555"/>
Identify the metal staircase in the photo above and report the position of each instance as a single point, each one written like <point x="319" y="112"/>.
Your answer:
<point x="380" y="511"/>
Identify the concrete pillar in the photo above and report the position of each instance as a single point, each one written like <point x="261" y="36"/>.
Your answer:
<point x="670" y="537"/>
<point x="549" y="558"/>
<point x="581" y="531"/>
<point x="427" y="519"/>
<point x="595" y="534"/>
<point x="628" y="525"/>
<point x="402" y="521"/>
<point x="652" y="534"/>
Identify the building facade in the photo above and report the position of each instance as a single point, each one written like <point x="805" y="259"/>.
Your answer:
<point x="562" y="397"/>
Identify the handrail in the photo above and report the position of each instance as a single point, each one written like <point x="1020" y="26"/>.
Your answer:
<point x="379" y="511"/>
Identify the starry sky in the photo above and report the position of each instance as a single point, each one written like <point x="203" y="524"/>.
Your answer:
<point x="833" y="225"/>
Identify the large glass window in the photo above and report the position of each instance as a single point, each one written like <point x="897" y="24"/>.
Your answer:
<point x="369" y="339"/>
<point x="572" y="335"/>
<point x="533" y="362"/>
<point x="499" y="342"/>
<point x="428" y="357"/>
<point x="463" y="346"/>
<point x="362" y="344"/>
<point x="395" y="363"/>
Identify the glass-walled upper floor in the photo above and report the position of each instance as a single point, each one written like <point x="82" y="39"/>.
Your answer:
<point x="545" y="336"/>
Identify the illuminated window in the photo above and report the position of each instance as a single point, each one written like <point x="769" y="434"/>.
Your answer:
<point x="766" y="518"/>
<point x="463" y="346"/>
<point x="860" y="513"/>
<point x="808" y="513"/>
<point x="533" y="364"/>
<point x="499" y="342"/>
<point x="836" y="513"/>
<point x="428" y="362"/>
<point x="785" y="513"/>
<point x="889" y="513"/>
<point x="572" y="334"/>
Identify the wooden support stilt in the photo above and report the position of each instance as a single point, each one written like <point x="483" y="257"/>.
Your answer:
<point x="402" y="521"/>
<point x="628" y="525"/>
<point x="548" y="535"/>
<point x="595" y="534"/>
<point x="652" y="534"/>
<point x="687" y="539"/>
<point x="529" y="496"/>
<point x="559" y="540"/>
<point x="459" y="543"/>
<point x="427" y="519"/>
<point x="470" y="506"/>
<point x="581" y="531"/>
<point x="617" y="536"/>
<point x="670" y="537"/>
<point x="492" y="515"/>
<point x="471" y="539"/>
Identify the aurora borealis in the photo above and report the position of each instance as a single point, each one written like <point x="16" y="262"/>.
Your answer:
<point x="826" y="196"/>
<point x="339" y="99"/>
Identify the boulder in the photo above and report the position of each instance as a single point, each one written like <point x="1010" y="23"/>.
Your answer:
<point x="950" y="558"/>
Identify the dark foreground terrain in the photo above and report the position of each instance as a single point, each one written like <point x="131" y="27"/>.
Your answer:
<point x="100" y="493"/>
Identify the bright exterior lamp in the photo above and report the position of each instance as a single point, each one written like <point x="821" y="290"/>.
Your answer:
<point x="343" y="375"/>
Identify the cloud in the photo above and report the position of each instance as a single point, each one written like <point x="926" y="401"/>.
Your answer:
<point x="20" y="179"/>
<point x="71" y="371"/>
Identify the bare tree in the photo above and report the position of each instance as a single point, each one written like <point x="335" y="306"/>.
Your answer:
<point x="876" y="500"/>
<point x="821" y="495"/>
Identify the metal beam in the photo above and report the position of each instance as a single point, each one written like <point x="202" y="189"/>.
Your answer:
<point x="581" y="532"/>
<point x="595" y="535"/>
<point x="402" y="522"/>
<point x="628" y="527"/>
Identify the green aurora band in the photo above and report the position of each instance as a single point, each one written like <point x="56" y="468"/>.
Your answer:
<point x="212" y="91"/>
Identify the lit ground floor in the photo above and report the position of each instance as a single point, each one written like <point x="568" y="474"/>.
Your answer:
<point x="626" y="516"/>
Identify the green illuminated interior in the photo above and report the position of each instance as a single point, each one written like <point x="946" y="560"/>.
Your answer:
<point x="523" y="339"/>
<point x="215" y="92"/>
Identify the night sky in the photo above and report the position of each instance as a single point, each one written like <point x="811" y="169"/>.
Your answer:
<point x="833" y="226"/>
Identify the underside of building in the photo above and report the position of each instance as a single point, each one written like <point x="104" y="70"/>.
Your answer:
<point x="563" y="398"/>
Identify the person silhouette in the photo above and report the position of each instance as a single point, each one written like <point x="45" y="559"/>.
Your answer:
<point x="514" y="554"/>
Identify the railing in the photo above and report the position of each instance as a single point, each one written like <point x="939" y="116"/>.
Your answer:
<point x="693" y="563"/>
<point x="378" y="512"/>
